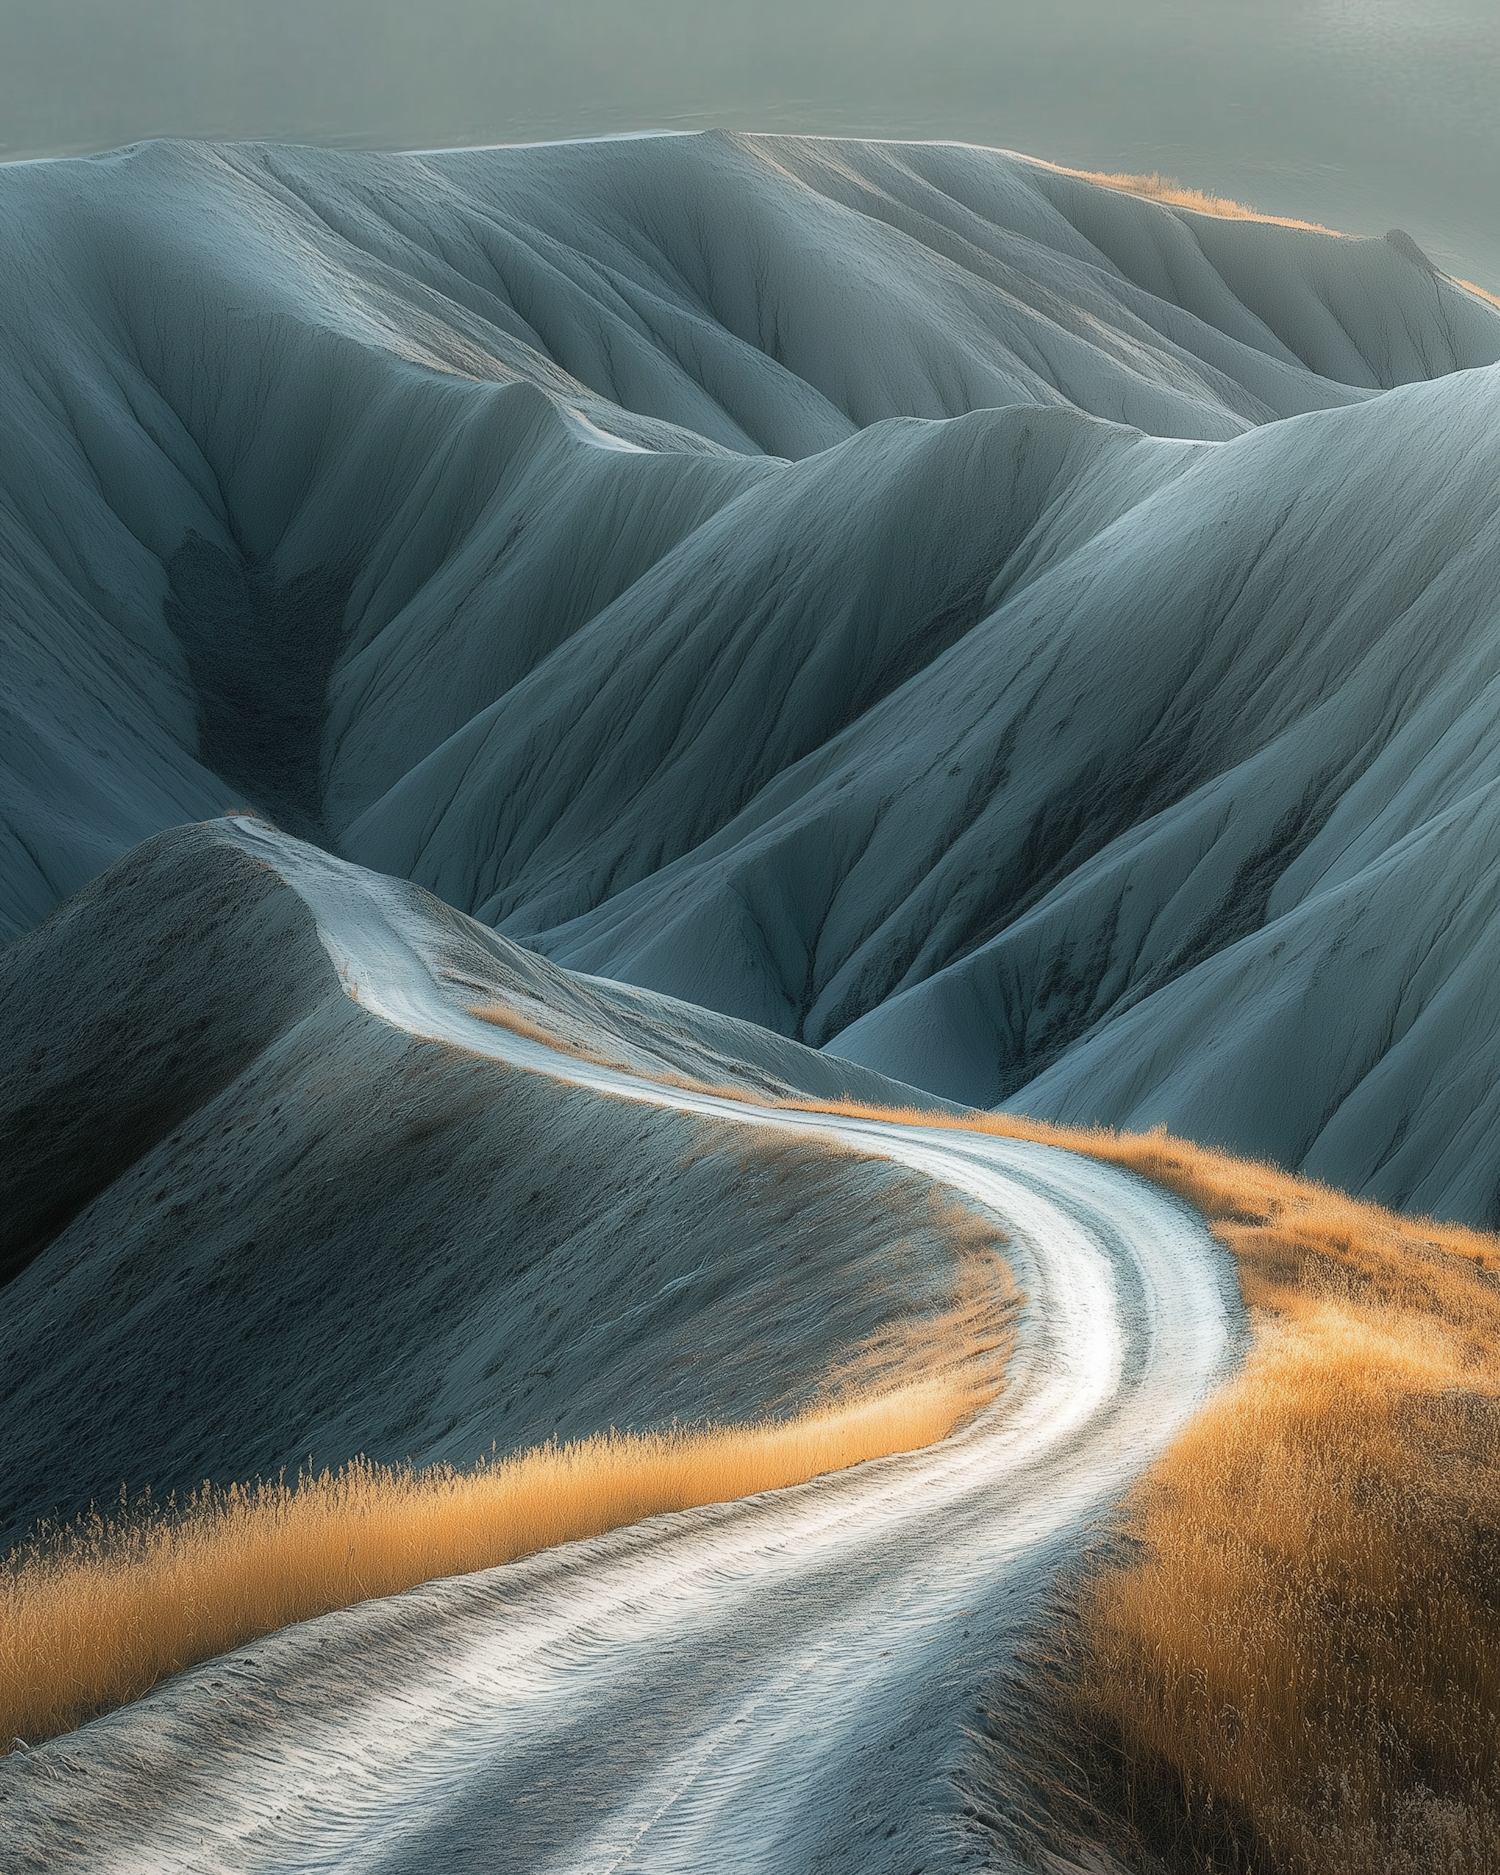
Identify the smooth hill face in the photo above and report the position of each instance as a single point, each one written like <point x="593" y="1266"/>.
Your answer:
<point x="1014" y="636"/>
<point x="250" y="1222"/>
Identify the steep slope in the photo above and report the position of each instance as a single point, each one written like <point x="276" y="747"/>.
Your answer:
<point x="252" y="1222"/>
<point x="1108" y="626"/>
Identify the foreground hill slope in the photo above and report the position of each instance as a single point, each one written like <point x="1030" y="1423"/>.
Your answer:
<point x="1022" y="638"/>
<point x="798" y="1678"/>
<point x="248" y="1222"/>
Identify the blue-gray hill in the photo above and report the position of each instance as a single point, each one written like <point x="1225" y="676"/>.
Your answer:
<point x="1031" y="641"/>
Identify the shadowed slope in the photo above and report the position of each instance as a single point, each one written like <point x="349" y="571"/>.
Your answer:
<point x="306" y="1232"/>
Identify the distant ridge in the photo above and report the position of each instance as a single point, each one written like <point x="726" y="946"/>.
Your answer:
<point x="1174" y="194"/>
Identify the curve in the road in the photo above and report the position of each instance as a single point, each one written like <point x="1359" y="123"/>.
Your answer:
<point x="790" y="1682"/>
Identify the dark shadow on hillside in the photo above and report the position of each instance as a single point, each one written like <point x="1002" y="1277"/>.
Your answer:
<point x="260" y="653"/>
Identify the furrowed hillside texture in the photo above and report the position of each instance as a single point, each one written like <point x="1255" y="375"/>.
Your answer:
<point x="1025" y="638"/>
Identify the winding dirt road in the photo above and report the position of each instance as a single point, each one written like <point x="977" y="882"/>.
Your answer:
<point x="796" y="1681"/>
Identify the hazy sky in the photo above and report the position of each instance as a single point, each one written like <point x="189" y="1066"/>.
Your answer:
<point x="1366" y="114"/>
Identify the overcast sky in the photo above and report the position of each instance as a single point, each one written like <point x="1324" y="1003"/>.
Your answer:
<point x="1365" y="114"/>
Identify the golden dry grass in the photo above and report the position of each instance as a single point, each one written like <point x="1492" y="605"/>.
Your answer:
<point x="97" y="1616"/>
<point x="518" y="1022"/>
<point x="1298" y="1667"/>
<point x="1478" y="291"/>
<point x="1175" y="194"/>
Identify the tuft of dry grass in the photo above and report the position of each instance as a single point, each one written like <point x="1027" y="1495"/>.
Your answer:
<point x="97" y="1614"/>
<point x="1175" y="194"/>
<point x="1478" y="291"/>
<point x="531" y="1029"/>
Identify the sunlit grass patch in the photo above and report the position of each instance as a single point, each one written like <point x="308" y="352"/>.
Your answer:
<point x="549" y="1033"/>
<point x="1297" y="1666"/>
<point x="1478" y="291"/>
<point x="95" y="1615"/>
<point x="1300" y="1667"/>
